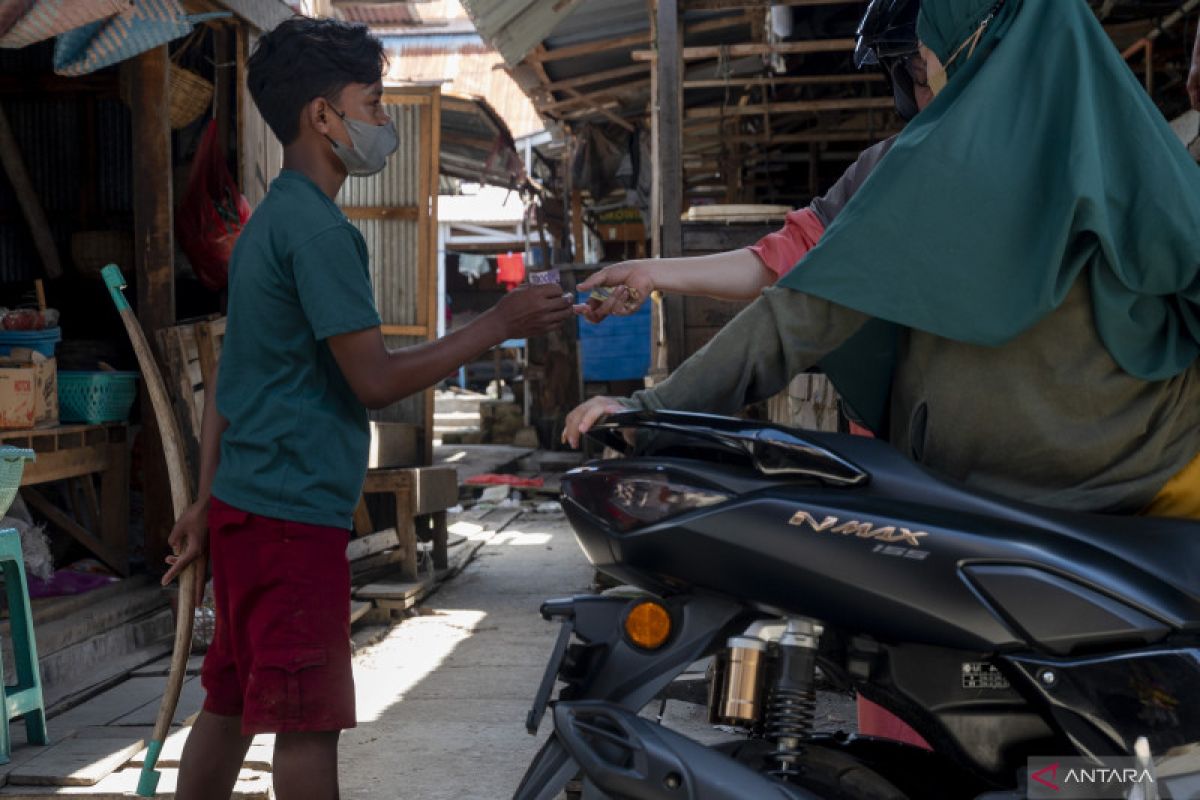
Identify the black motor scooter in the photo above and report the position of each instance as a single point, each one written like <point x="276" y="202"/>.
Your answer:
<point x="999" y="631"/>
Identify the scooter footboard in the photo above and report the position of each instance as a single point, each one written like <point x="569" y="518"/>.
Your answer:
<point x="629" y="757"/>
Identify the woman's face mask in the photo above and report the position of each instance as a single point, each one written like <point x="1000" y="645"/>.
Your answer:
<point x="935" y="73"/>
<point x="370" y="145"/>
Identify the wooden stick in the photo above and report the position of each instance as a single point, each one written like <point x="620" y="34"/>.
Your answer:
<point x="31" y="207"/>
<point x="40" y="288"/>
<point x="192" y="577"/>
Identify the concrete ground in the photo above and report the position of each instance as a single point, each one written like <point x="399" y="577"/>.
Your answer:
<point x="442" y="698"/>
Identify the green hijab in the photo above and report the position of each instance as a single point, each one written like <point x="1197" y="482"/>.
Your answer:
<point x="1042" y="159"/>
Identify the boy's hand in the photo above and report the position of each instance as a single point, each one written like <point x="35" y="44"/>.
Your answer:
<point x="581" y="420"/>
<point x="189" y="540"/>
<point x="631" y="284"/>
<point x="533" y="310"/>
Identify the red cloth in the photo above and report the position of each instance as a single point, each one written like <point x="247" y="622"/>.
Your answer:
<point x="510" y="269"/>
<point x="492" y="479"/>
<point x="280" y="657"/>
<point x="783" y="249"/>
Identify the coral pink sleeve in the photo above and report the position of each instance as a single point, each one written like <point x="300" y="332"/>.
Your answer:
<point x="780" y="251"/>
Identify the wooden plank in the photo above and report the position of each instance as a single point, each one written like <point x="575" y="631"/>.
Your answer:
<point x="380" y="212"/>
<point x="111" y="705"/>
<point x="364" y="546"/>
<point x="609" y="95"/>
<point x="258" y="757"/>
<point x="377" y="566"/>
<point x="597" y="77"/>
<point x="362" y="518"/>
<point x="541" y="55"/>
<point x="600" y="108"/>
<point x="63" y="464"/>
<point x="744" y="49"/>
<point x="163" y="665"/>
<point x="670" y="107"/>
<point x="78" y="761"/>
<point x="251" y="785"/>
<point x="209" y="340"/>
<point x="791" y="107"/>
<point x="358" y="610"/>
<point x="405" y="330"/>
<point x="433" y="258"/>
<point x="190" y="701"/>
<point x="153" y="226"/>
<point x="111" y="558"/>
<point x="391" y="590"/>
<point x="784" y="80"/>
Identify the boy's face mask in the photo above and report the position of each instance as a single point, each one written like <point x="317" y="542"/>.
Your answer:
<point x="370" y="145"/>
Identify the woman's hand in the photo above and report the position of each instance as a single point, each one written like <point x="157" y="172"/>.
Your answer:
<point x="581" y="420"/>
<point x="189" y="541"/>
<point x="630" y="283"/>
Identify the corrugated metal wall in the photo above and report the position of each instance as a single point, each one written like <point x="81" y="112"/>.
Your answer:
<point x="394" y="243"/>
<point x="394" y="231"/>
<point x="262" y="154"/>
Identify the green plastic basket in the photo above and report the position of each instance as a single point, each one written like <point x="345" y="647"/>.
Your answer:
<point x="12" y="465"/>
<point x="95" y="397"/>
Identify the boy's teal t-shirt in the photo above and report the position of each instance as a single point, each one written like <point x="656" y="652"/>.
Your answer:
<point x="298" y="439"/>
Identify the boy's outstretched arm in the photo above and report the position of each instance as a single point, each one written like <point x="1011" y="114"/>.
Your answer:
<point x="380" y="377"/>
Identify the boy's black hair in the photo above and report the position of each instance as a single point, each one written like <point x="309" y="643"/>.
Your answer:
<point x="302" y="59"/>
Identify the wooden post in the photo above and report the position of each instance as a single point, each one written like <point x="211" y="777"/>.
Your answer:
<point x="577" y="249"/>
<point x="668" y="105"/>
<point x="154" y="256"/>
<point x="669" y="102"/>
<point x="224" y="95"/>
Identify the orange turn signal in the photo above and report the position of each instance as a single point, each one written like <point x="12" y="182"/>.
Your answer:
<point x="648" y="625"/>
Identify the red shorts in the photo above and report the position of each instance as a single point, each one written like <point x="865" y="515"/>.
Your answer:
<point x="280" y="657"/>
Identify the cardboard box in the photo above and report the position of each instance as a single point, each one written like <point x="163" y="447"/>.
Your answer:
<point x="28" y="392"/>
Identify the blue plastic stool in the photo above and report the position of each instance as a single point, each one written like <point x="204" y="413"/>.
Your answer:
<point x="25" y="698"/>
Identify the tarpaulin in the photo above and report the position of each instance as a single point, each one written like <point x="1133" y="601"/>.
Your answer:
<point x="149" y="24"/>
<point x="25" y="22"/>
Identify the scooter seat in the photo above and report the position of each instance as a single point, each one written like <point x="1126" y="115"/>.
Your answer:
<point x="1168" y="549"/>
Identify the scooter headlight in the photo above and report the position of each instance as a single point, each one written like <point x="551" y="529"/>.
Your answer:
<point x="631" y="500"/>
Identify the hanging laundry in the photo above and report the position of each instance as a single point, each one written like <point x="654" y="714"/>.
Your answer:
<point x="473" y="267"/>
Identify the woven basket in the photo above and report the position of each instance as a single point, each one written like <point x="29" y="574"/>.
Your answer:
<point x="189" y="95"/>
<point x="92" y="251"/>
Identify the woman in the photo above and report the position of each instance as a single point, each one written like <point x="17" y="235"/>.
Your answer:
<point x="887" y="36"/>
<point x="1013" y="298"/>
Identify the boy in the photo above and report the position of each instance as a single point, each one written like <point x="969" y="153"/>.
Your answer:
<point x="284" y="444"/>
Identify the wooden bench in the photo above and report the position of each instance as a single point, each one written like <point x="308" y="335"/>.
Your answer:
<point x="421" y="495"/>
<point x="82" y="455"/>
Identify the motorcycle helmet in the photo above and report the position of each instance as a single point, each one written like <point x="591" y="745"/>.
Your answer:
<point x="887" y="36"/>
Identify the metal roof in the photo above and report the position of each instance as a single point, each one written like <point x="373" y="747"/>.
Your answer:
<point x="475" y="143"/>
<point x="463" y="64"/>
<point x="516" y="27"/>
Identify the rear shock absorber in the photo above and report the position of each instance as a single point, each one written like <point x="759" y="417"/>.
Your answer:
<point x="792" y="700"/>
